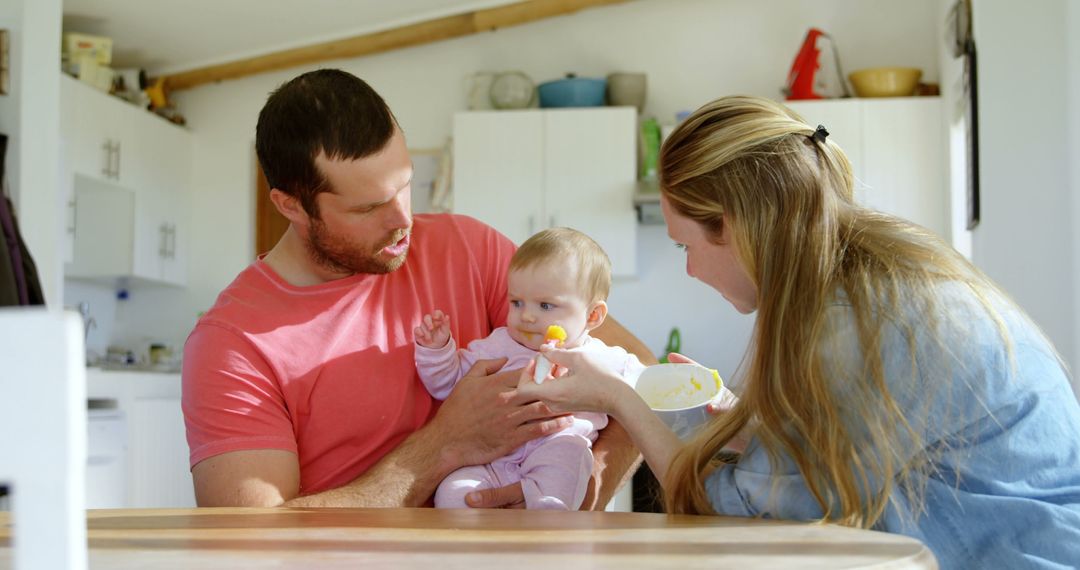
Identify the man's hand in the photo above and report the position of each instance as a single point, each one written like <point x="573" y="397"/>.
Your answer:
<point x="433" y="331"/>
<point x="508" y="497"/>
<point x="486" y="418"/>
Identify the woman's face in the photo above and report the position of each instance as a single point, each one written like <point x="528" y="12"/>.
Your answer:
<point x="716" y="265"/>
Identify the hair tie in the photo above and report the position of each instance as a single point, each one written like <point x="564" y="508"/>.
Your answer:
<point x="820" y="133"/>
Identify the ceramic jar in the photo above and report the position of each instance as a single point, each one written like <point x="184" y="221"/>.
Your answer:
<point x="626" y="89"/>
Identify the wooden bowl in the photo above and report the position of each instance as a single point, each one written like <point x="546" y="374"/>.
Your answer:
<point x="885" y="81"/>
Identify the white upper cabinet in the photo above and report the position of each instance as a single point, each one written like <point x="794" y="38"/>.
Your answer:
<point x="499" y="170"/>
<point x="95" y="131"/>
<point x="524" y="171"/>
<point x="896" y="148"/>
<point x="112" y="149"/>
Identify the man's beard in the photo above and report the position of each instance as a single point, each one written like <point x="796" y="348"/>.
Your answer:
<point x="340" y="256"/>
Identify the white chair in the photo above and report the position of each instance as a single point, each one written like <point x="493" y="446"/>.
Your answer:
<point x="43" y="435"/>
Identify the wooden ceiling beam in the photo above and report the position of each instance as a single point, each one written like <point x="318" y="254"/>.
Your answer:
<point x="406" y="36"/>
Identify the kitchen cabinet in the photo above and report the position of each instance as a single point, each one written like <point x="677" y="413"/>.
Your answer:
<point x="524" y="171"/>
<point x="100" y="228"/>
<point x="897" y="150"/>
<point x="96" y="132"/>
<point x="110" y="144"/>
<point x="156" y="472"/>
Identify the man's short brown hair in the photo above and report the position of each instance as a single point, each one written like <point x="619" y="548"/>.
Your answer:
<point x="329" y="112"/>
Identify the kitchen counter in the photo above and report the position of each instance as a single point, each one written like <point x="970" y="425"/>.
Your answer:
<point x="474" y="539"/>
<point x="123" y="384"/>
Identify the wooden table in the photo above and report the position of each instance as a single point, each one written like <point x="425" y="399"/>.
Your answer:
<point x="204" y="539"/>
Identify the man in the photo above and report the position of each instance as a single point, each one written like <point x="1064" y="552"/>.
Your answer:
<point x="299" y="384"/>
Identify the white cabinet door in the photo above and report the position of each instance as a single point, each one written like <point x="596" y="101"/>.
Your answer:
<point x="160" y="477"/>
<point x="895" y="146"/>
<point x="589" y="172"/>
<point x="843" y="119"/>
<point x="499" y="170"/>
<point x="175" y="148"/>
<point x="102" y="229"/>
<point x="156" y="469"/>
<point x="162" y="168"/>
<point x="904" y="162"/>
<point x="94" y="125"/>
<point x="523" y="171"/>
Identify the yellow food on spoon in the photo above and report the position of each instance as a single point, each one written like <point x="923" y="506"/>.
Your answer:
<point x="556" y="333"/>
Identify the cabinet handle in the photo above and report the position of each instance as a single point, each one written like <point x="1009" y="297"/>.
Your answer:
<point x="532" y="224"/>
<point x="172" y="241"/>
<point x="116" y="169"/>
<point x="163" y="247"/>
<point x="74" y="220"/>
<point x="106" y="168"/>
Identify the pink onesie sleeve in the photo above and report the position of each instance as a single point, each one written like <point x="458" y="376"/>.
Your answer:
<point x="440" y="368"/>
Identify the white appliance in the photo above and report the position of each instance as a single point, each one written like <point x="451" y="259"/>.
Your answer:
<point x="106" y="462"/>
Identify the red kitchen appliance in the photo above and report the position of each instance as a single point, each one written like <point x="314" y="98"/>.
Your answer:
<point x="804" y="80"/>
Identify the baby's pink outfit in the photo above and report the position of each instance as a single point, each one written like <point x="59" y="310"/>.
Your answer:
<point x="553" y="470"/>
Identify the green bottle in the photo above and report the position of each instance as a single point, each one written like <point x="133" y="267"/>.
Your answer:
<point x="673" y="344"/>
<point x="650" y="143"/>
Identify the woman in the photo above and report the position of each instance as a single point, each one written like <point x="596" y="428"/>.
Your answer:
<point x="889" y="384"/>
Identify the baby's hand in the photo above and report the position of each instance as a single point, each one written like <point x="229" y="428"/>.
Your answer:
<point x="434" y="330"/>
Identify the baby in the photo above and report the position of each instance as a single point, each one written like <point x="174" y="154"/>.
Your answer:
<point x="557" y="277"/>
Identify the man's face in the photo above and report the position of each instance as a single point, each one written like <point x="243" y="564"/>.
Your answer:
<point x="366" y="218"/>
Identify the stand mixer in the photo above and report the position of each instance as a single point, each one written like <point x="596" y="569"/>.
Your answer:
<point x="804" y="81"/>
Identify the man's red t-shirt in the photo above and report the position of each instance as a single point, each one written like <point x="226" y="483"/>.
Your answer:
<point x="327" y="371"/>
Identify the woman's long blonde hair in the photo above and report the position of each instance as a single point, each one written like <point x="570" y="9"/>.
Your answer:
<point x="787" y="197"/>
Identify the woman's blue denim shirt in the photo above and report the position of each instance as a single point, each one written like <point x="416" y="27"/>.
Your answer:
<point x="1007" y="492"/>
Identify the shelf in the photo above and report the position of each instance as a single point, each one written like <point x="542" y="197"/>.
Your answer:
<point x="647" y="203"/>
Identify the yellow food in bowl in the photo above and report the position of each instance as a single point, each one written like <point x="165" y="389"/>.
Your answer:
<point x="885" y="81"/>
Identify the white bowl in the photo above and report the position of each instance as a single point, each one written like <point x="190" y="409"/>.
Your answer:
<point x="678" y="394"/>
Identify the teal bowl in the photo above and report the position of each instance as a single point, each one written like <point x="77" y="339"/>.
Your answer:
<point x="573" y="92"/>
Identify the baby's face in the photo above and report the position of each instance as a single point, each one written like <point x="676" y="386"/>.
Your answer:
<point x="542" y="295"/>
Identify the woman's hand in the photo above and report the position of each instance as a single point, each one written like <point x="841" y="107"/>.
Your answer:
<point x="588" y="386"/>
<point x="582" y="385"/>
<point x="721" y="403"/>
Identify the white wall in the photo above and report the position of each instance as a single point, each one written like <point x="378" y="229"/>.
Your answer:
<point x="692" y="51"/>
<point x="1072" y="32"/>
<point x="28" y="115"/>
<point x="1026" y="240"/>
<point x="102" y="305"/>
